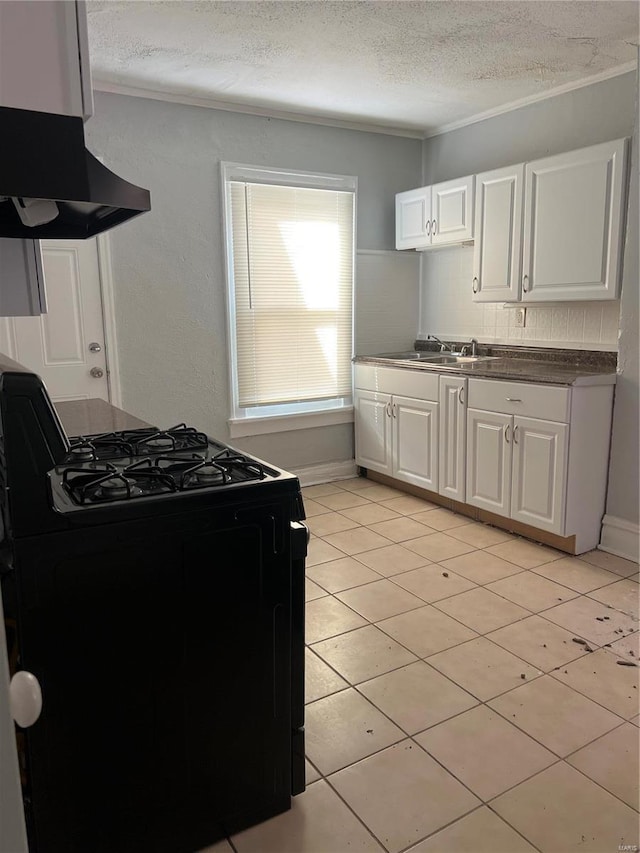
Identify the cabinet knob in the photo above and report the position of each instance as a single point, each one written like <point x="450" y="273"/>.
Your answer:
<point x="475" y="284"/>
<point x="506" y="432"/>
<point x="515" y="434"/>
<point x="435" y="226"/>
<point x="525" y="279"/>
<point x="460" y="395"/>
<point x="428" y="226"/>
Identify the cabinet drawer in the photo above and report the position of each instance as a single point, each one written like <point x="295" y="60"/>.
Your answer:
<point x="520" y="398"/>
<point x="420" y="384"/>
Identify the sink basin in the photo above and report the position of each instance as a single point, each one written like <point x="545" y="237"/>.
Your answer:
<point x="445" y="358"/>
<point x="402" y="356"/>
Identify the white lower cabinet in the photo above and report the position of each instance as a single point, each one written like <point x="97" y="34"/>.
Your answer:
<point x="414" y="446"/>
<point x="452" y="433"/>
<point x="488" y="461"/>
<point x="536" y="454"/>
<point x="373" y="433"/>
<point x="517" y="467"/>
<point x="398" y="436"/>
<point x="397" y="426"/>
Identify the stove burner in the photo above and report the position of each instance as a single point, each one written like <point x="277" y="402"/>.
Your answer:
<point x="209" y="475"/>
<point x="116" y="487"/>
<point x="160" y="444"/>
<point x="84" y="451"/>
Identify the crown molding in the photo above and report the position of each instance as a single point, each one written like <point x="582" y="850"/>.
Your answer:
<point x="616" y="71"/>
<point x="101" y="85"/>
<point x="249" y="109"/>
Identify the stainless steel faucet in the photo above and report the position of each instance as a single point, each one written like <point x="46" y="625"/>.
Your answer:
<point x="474" y="348"/>
<point x="443" y="346"/>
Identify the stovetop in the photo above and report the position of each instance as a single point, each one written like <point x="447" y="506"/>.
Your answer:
<point x="149" y="463"/>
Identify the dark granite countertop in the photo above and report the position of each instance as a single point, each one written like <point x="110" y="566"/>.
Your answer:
<point x="89" y="417"/>
<point x="557" y="367"/>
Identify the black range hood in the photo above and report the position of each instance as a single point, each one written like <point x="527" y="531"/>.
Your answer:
<point x="43" y="156"/>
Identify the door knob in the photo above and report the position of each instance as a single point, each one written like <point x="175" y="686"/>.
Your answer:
<point x="95" y="347"/>
<point x="97" y="372"/>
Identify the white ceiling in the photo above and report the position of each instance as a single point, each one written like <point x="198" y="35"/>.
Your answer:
<point x="409" y="66"/>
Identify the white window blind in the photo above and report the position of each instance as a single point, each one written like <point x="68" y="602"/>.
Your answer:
<point x="292" y="257"/>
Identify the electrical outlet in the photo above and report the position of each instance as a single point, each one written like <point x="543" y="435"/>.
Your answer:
<point x="521" y="317"/>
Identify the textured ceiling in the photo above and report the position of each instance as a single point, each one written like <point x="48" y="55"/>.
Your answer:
<point x="417" y="66"/>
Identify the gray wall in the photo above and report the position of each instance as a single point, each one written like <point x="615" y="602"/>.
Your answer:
<point x="169" y="264"/>
<point x="574" y="120"/>
<point x="586" y="116"/>
<point x="622" y="499"/>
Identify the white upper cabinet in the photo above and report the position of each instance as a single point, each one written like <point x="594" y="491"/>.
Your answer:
<point x="22" y="291"/>
<point x="435" y="216"/>
<point x="573" y="218"/>
<point x="44" y="57"/>
<point x="413" y="219"/>
<point x="498" y="235"/>
<point x="452" y="211"/>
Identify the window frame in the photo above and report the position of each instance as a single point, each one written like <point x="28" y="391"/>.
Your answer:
<point x="260" y="420"/>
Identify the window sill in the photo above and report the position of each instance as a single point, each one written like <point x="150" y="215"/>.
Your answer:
<point x="240" y="427"/>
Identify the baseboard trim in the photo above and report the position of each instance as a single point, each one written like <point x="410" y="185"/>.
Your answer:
<point x="620" y="537"/>
<point x="326" y="472"/>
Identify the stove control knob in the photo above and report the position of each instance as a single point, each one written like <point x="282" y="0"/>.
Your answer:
<point x="95" y="347"/>
<point x="97" y="372"/>
<point x="25" y="698"/>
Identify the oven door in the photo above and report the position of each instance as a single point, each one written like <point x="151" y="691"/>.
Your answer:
<point x="164" y="656"/>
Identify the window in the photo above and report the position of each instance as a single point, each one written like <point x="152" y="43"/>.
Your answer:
<point x="290" y="264"/>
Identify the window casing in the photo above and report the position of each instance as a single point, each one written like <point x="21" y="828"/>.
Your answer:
<point x="290" y="244"/>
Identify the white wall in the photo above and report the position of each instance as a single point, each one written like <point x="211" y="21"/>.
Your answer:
<point x="169" y="267"/>
<point x="446" y="310"/>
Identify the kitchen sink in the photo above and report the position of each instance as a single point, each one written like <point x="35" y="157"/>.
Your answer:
<point x="444" y="358"/>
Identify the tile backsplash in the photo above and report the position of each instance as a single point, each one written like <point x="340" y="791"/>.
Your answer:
<point x="447" y="310"/>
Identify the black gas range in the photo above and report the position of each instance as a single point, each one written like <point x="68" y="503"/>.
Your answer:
<point x="153" y="582"/>
<point x="149" y="464"/>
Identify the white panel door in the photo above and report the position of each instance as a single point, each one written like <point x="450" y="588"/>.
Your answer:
<point x="415" y="441"/>
<point x="373" y="430"/>
<point x="489" y="460"/>
<point x="452" y="211"/>
<point x="65" y="347"/>
<point x="573" y="211"/>
<point x="498" y="235"/>
<point x="413" y="219"/>
<point x="452" y="437"/>
<point x="539" y="473"/>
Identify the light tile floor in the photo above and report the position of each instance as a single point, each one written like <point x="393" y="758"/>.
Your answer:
<point x="466" y="688"/>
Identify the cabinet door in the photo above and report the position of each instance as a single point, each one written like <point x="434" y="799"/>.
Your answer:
<point x="452" y="437"/>
<point x="413" y="219"/>
<point x="498" y="235"/>
<point x="44" y="57"/>
<point x="373" y="430"/>
<point x="22" y="292"/>
<point x="415" y="441"/>
<point x="572" y="224"/>
<point x="489" y="460"/>
<point x="539" y="473"/>
<point x="452" y="211"/>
